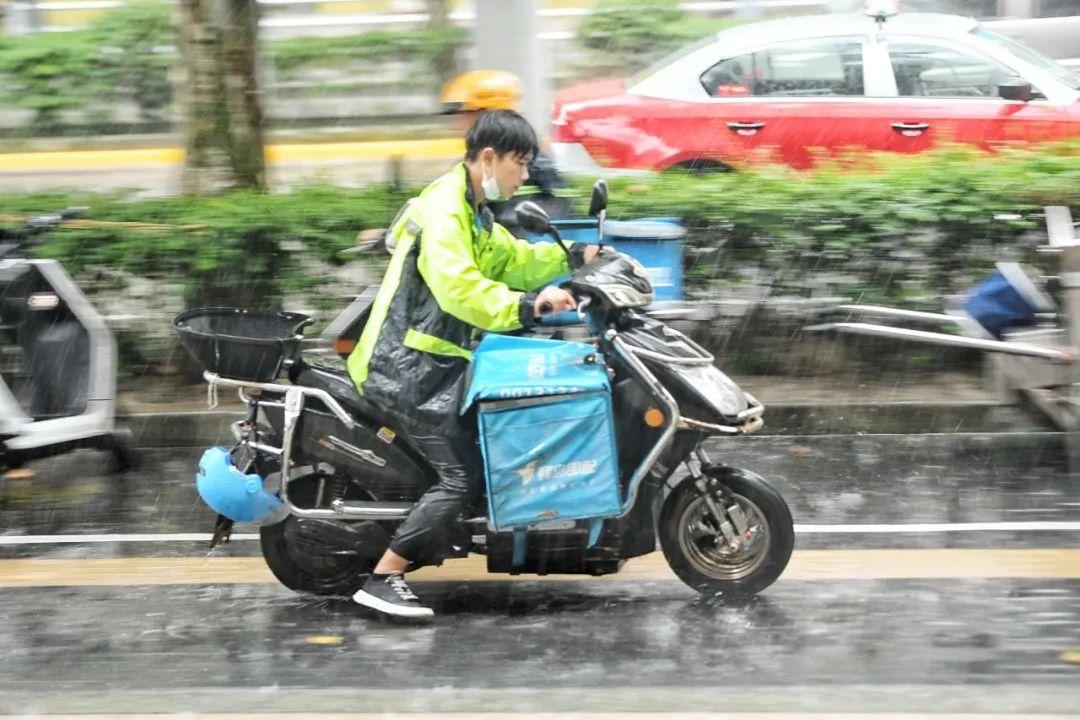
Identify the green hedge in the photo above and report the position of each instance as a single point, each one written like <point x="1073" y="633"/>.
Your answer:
<point x="244" y="248"/>
<point x="125" y="53"/>
<point x="420" y="47"/>
<point x="128" y="52"/>
<point x="624" y="36"/>
<point x="896" y="228"/>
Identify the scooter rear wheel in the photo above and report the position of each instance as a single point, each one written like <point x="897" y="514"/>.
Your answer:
<point x="697" y="550"/>
<point x="299" y="569"/>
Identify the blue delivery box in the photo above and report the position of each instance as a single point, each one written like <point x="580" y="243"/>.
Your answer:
<point x="546" y="431"/>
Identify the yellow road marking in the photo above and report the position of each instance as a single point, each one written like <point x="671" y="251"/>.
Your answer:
<point x="433" y="149"/>
<point x="805" y="565"/>
<point x="325" y="640"/>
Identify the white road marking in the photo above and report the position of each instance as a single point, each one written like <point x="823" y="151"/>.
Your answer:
<point x="118" y="538"/>
<point x="867" y="529"/>
<point x="940" y="528"/>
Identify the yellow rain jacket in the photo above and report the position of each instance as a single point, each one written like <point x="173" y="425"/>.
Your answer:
<point x="451" y="273"/>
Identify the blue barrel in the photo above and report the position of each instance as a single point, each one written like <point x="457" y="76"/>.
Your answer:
<point x="657" y="243"/>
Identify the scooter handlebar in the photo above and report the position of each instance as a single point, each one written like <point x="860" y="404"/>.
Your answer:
<point x="582" y="303"/>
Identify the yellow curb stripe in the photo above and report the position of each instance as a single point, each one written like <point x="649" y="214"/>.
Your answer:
<point x="371" y="7"/>
<point x="434" y="149"/>
<point x="71" y="17"/>
<point x="376" y="149"/>
<point x="89" y="159"/>
<point x="805" y="565"/>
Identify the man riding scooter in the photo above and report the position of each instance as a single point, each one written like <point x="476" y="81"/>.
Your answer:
<point x="454" y="272"/>
<point x="470" y="95"/>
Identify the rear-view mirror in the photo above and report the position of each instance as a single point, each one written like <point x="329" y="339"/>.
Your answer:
<point x="598" y="201"/>
<point x="532" y="217"/>
<point x="1015" y="90"/>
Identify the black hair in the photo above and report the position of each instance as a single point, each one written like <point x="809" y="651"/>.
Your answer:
<point x="505" y="131"/>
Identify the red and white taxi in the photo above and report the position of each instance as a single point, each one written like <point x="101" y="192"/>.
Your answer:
<point x="787" y="90"/>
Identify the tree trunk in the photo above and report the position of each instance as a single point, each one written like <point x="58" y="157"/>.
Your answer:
<point x="222" y="113"/>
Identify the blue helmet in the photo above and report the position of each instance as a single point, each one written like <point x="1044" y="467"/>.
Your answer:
<point x="232" y="493"/>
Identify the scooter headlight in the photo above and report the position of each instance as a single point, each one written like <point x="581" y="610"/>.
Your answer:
<point x="716" y="388"/>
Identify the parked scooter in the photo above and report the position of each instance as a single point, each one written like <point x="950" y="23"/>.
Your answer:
<point x="64" y="394"/>
<point x="344" y="478"/>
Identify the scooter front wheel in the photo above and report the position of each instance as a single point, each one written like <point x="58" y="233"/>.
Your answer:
<point x="716" y="560"/>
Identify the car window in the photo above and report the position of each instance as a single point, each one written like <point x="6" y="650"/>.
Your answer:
<point x="809" y="68"/>
<point x="1028" y="55"/>
<point x="669" y="59"/>
<point x="929" y="70"/>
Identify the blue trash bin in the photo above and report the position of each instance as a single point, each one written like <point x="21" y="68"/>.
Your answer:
<point x="657" y="243"/>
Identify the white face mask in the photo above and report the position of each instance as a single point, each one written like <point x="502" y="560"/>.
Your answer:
<point x="490" y="187"/>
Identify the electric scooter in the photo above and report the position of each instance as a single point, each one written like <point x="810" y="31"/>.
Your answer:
<point x="593" y="451"/>
<point x="58" y="379"/>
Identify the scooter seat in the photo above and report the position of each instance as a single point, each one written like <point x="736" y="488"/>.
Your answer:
<point x="337" y="383"/>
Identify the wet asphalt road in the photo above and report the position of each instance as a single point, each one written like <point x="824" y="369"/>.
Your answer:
<point x="965" y="637"/>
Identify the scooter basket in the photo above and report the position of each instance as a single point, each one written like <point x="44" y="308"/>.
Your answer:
<point x="241" y="344"/>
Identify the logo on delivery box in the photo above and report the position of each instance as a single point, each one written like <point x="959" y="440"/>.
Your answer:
<point x="559" y="471"/>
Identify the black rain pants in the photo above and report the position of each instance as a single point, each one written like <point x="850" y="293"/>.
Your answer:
<point x="427" y="532"/>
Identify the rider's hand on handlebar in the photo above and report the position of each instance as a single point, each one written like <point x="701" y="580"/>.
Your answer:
<point x="553" y="299"/>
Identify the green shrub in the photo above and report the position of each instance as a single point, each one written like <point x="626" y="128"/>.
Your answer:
<point x="420" y="47"/>
<point x="243" y="248"/>
<point x="899" y="227"/>
<point x="624" y="36"/>
<point x="124" y="54"/>
<point x="136" y="42"/>
<point x="894" y="228"/>
<point x="128" y="51"/>
<point x="49" y="74"/>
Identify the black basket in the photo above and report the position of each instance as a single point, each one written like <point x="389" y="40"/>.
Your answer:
<point x="241" y="344"/>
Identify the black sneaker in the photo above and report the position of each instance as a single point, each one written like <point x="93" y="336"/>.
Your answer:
<point x="391" y="595"/>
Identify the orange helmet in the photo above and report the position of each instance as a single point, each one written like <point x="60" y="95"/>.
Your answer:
<point x="482" y="90"/>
